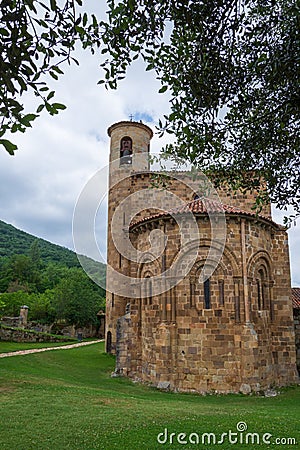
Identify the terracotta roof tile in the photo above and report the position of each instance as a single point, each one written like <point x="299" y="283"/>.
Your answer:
<point x="296" y="298"/>
<point x="206" y="205"/>
<point x="202" y="206"/>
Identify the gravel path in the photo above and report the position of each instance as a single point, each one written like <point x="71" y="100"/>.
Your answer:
<point x="46" y="349"/>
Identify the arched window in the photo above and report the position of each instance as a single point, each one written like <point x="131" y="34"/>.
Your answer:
<point x="261" y="270"/>
<point x="200" y="288"/>
<point x="192" y="293"/>
<point x="221" y="292"/>
<point x="206" y="286"/>
<point x="126" y="150"/>
<point x="261" y="300"/>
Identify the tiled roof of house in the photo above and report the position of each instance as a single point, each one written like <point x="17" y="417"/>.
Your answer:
<point x="203" y="206"/>
<point x="296" y="298"/>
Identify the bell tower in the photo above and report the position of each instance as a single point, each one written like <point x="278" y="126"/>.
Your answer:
<point x="127" y="141"/>
<point x="129" y="154"/>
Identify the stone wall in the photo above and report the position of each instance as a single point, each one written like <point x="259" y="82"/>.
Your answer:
<point x="59" y="328"/>
<point x="176" y="339"/>
<point x="297" y="335"/>
<point x="21" y="335"/>
<point x="183" y="189"/>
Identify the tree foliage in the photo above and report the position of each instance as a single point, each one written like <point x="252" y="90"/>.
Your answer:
<point x="40" y="251"/>
<point x="76" y="299"/>
<point x="12" y="303"/>
<point x="50" y="288"/>
<point x="60" y="293"/>
<point x="37" y="37"/>
<point x="232" y="69"/>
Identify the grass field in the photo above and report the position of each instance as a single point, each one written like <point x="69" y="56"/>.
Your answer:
<point x="68" y="400"/>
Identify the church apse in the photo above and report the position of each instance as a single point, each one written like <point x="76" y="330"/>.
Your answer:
<point x="205" y="312"/>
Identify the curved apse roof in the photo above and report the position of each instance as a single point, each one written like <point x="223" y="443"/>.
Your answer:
<point x="204" y="206"/>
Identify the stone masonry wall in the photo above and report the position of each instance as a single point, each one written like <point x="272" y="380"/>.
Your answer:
<point x="20" y="335"/>
<point x="183" y="190"/>
<point x="198" y="349"/>
<point x="297" y="336"/>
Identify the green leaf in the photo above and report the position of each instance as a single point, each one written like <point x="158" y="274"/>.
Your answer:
<point x="84" y="19"/>
<point x="4" y="32"/>
<point x="44" y="24"/>
<point x="14" y="128"/>
<point x="50" y="95"/>
<point x="57" y="69"/>
<point x="79" y="30"/>
<point x="150" y="67"/>
<point x="30" y="117"/>
<point x="95" y="22"/>
<point x="53" y="5"/>
<point x="9" y="146"/>
<point x="75" y="61"/>
<point x="40" y="108"/>
<point x="10" y="87"/>
<point x="49" y="108"/>
<point x="53" y="75"/>
<point x="163" y="89"/>
<point x="22" y="84"/>
<point x="27" y="119"/>
<point x="58" y="106"/>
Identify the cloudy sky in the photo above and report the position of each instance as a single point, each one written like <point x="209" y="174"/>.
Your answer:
<point x="56" y="158"/>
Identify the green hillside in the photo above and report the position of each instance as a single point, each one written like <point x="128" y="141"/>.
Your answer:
<point x="14" y="241"/>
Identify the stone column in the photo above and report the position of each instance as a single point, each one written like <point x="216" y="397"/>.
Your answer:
<point x="23" y="315"/>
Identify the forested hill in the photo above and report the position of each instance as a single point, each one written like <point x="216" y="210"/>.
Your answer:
<point x="14" y="241"/>
<point x="48" y="279"/>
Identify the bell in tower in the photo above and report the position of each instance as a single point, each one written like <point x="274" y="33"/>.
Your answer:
<point x="126" y="151"/>
<point x="129" y="146"/>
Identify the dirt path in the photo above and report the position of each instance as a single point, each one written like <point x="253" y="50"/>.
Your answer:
<point x="46" y="349"/>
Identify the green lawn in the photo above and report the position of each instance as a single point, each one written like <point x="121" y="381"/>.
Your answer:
<point x="67" y="400"/>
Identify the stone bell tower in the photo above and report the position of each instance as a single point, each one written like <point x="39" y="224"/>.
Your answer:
<point x="129" y="154"/>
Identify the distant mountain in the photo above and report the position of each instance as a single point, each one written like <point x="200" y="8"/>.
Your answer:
<point x="14" y="241"/>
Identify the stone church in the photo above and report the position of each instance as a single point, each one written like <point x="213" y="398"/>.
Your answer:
<point x="198" y="285"/>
